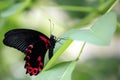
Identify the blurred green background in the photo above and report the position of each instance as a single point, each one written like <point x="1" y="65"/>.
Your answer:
<point x="96" y="62"/>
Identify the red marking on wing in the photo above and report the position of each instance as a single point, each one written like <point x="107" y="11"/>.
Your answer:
<point x="28" y="51"/>
<point x="39" y="58"/>
<point x="33" y="70"/>
<point x="29" y="48"/>
<point x="27" y="57"/>
<point x="45" y="40"/>
<point x="41" y="64"/>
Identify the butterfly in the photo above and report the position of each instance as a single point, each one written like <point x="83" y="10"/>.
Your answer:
<point x="33" y="44"/>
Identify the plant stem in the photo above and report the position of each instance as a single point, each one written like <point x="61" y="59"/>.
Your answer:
<point x="77" y="8"/>
<point x="112" y="6"/>
<point x="57" y="54"/>
<point x="106" y="6"/>
<point x="102" y="9"/>
<point x="81" y="51"/>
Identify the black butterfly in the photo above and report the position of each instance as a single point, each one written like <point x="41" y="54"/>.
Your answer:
<point x="34" y="44"/>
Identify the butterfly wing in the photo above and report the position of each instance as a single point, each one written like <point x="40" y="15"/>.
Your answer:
<point x="35" y="57"/>
<point x="34" y="44"/>
<point x="21" y="38"/>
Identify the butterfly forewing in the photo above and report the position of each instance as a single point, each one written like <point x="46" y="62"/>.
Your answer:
<point x="22" y="38"/>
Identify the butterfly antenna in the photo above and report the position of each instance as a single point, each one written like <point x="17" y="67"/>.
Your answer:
<point x="51" y="27"/>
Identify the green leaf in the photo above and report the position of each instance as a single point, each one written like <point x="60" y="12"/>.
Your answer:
<point x="11" y="10"/>
<point x="46" y="59"/>
<point x="100" y="33"/>
<point x="57" y="54"/>
<point x="60" y="71"/>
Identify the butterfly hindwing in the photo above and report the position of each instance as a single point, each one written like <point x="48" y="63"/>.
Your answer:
<point x="35" y="57"/>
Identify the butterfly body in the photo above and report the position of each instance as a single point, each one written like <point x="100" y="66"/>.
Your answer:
<point x="33" y="44"/>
